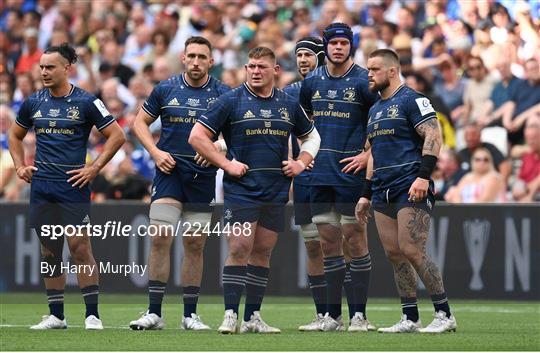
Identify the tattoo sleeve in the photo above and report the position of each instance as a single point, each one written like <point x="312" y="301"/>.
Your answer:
<point x="431" y="133"/>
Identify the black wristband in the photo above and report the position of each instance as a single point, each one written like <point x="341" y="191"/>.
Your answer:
<point x="366" y="190"/>
<point x="429" y="163"/>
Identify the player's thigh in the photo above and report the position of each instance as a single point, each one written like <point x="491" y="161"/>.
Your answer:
<point x="198" y="192"/>
<point x="413" y="229"/>
<point x="265" y="240"/>
<point x="272" y="217"/>
<point x="164" y="216"/>
<point x="322" y="204"/>
<point x="387" y="228"/>
<point x="241" y="238"/>
<point x="167" y="185"/>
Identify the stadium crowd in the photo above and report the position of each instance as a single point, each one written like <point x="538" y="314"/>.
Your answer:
<point x="477" y="61"/>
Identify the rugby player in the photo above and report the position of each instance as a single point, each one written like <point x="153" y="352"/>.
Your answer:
<point x="256" y="120"/>
<point x="62" y="116"/>
<point x="337" y="97"/>
<point x="182" y="188"/>
<point x="405" y="140"/>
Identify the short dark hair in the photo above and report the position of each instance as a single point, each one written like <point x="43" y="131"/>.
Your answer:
<point x="65" y="50"/>
<point x="259" y="52"/>
<point x="387" y="54"/>
<point x="198" y="40"/>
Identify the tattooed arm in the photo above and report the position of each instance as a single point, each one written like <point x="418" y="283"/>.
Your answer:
<point x="431" y="133"/>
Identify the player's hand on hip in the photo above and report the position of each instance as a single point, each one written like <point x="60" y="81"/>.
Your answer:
<point x="292" y="167"/>
<point x="201" y="161"/>
<point x="164" y="161"/>
<point x="81" y="177"/>
<point x="418" y="190"/>
<point x="356" y="163"/>
<point x="26" y="172"/>
<point x="362" y="210"/>
<point x="311" y="165"/>
<point x="236" y="169"/>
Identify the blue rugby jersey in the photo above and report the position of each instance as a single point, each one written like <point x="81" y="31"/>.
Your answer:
<point x="62" y="126"/>
<point x="396" y="147"/>
<point x="293" y="90"/>
<point x="339" y="106"/>
<point x="179" y="105"/>
<point x="257" y="131"/>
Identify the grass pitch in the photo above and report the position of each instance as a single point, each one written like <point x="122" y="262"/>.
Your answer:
<point x="482" y="325"/>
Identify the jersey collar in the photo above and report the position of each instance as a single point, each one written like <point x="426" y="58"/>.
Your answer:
<point x="394" y="93"/>
<point x="188" y="85"/>
<point x="345" y="74"/>
<point x="256" y="95"/>
<point x="67" y="95"/>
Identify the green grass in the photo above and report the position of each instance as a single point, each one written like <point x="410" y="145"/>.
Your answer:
<point x="482" y="325"/>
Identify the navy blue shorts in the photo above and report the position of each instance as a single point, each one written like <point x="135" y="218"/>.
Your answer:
<point x="59" y="203"/>
<point x="390" y="201"/>
<point x="269" y="215"/>
<point x="302" y="208"/>
<point x="342" y="198"/>
<point x="195" y="191"/>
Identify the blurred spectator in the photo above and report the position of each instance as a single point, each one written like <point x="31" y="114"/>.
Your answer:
<point x="451" y="89"/>
<point x="137" y="48"/>
<point x="128" y="185"/>
<point x="524" y="101"/>
<point x="492" y="110"/>
<point x="450" y="172"/>
<point x="473" y="142"/>
<point x="527" y="185"/>
<point x="25" y="88"/>
<point x="481" y="184"/>
<point x="111" y="56"/>
<point x="477" y="91"/>
<point x="8" y="175"/>
<point x="31" y="52"/>
<point x="160" y="48"/>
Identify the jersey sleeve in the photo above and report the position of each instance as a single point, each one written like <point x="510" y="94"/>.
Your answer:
<point x="305" y="97"/>
<point x="216" y="116"/>
<point x="152" y="104"/>
<point x="302" y="124"/>
<point x="24" y="117"/>
<point x="420" y="110"/>
<point x="98" y="114"/>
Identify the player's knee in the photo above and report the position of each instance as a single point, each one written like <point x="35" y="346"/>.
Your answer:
<point x="54" y="265"/>
<point x="81" y="252"/>
<point x="313" y="249"/>
<point x="309" y="232"/>
<point x="411" y="252"/>
<point x="239" y="251"/>
<point x="394" y="255"/>
<point x="194" y="245"/>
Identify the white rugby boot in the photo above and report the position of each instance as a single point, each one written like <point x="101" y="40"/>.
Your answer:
<point x="50" y="322"/>
<point x="230" y="322"/>
<point x="403" y="326"/>
<point x="358" y="323"/>
<point x="148" y="321"/>
<point x="329" y="324"/>
<point x="314" y="325"/>
<point x="257" y="325"/>
<point x="93" y="323"/>
<point x="194" y="323"/>
<point x="441" y="324"/>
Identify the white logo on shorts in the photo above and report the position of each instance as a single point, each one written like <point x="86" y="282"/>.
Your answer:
<point x="227" y="214"/>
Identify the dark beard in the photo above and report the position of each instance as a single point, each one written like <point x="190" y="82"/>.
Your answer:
<point x="380" y="87"/>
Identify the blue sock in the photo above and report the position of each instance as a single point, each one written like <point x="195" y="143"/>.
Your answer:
<point x="317" y="285"/>
<point x="90" y="295"/>
<point x="191" y="297"/>
<point x="409" y="307"/>
<point x="55" y="298"/>
<point x="440" y="302"/>
<point x="334" y="271"/>
<point x="256" y="281"/>
<point x="156" y="291"/>
<point x="234" y="281"/>
<point x="349" y="293"/>
<point x="360" y="275"/>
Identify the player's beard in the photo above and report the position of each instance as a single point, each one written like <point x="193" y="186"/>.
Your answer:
<point x="196" y="76"/>
<point x="378" y="87"/>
